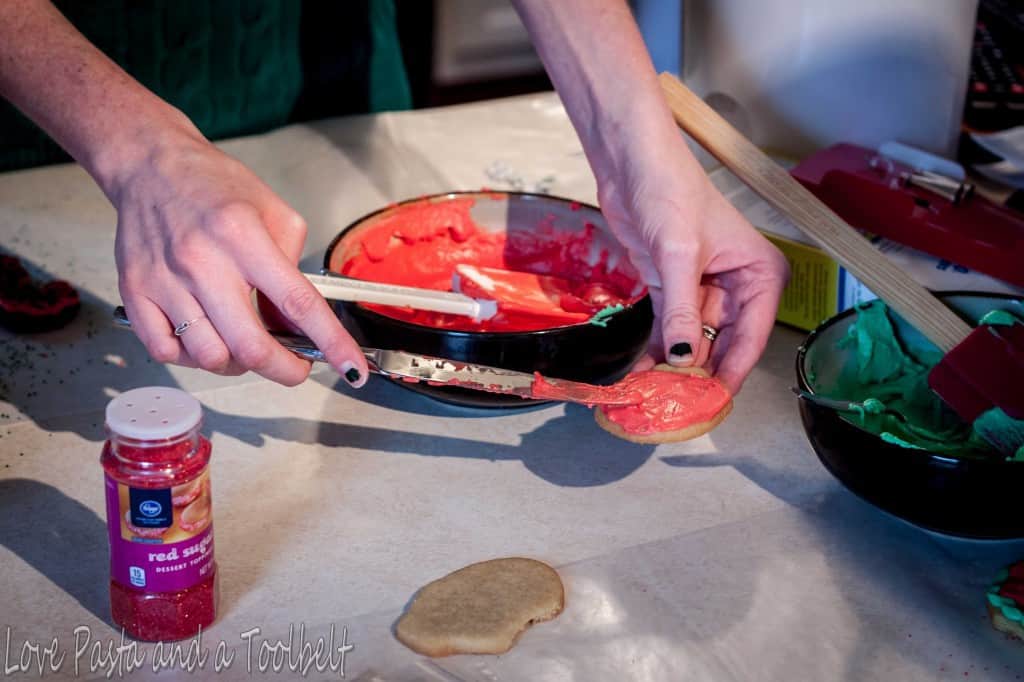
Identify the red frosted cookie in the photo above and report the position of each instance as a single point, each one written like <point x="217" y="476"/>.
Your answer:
<point x="677" y="404"/>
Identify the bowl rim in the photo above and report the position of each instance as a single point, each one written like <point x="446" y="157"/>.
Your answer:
<point x="460" y="333"/>
<point x="804" y="383"/>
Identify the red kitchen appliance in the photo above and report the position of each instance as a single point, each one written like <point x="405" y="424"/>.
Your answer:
<point x="924" y="210"/>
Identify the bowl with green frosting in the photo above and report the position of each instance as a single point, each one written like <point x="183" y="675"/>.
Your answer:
<point x="879" y="429"/>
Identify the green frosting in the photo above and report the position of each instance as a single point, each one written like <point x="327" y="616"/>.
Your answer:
<point x="601" y="317"/>
<point x="998" y="318"/>
<point x="892" y="385"/>
<point x="869" y="406"/>
<point x="879" y="355"/>
<point x="896" y="440"/>
<point x="993" y="598"/>
<point x="996" y="425"/>
<point x="1006" y="605"/>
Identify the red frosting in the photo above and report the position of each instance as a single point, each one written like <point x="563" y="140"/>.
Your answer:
<point x="421" y="243"/>
<point x="669" y="401"/>
<point x="585" y="393"/>
<point x="1013" y="586"/>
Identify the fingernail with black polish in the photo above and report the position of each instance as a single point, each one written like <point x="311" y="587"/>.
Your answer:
<point x="681" y="350"/>
<point x="351" y="374"/>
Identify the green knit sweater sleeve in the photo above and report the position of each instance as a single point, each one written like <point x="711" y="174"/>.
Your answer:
<point x="234" y="67"/>
<point x="389" y="86"/>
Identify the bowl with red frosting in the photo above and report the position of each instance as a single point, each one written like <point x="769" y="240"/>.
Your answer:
<point x="571" y="305"/>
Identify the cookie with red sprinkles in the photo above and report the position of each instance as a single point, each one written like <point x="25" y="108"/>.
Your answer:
<point x="1005" y="597"/>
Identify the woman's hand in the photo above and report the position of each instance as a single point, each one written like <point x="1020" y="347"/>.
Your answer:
<point x="702" y="261"/>
<point x="196" y="233"/>
<point x="196" y="230"/>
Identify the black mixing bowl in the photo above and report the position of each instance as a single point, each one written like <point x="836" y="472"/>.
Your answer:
<point x="581" y="352"/>
<point x="968" y="497"/>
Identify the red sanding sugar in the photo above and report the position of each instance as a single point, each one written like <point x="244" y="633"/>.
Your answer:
<point x="163" y="577"/>
<point x="164" y="616"/>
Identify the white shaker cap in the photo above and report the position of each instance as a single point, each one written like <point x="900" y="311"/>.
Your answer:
<point x="153" y="413"/>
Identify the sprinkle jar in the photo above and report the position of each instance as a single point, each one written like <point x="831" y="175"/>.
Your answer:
<point x="163" y="578"/>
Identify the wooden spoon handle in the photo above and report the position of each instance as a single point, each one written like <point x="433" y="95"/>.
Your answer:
<point x="847" y="246"/>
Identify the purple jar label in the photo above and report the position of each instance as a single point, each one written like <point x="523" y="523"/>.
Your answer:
<point x="161" y="539"/>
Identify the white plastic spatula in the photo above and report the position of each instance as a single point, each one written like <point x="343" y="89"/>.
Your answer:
<point x="340" y="288"/>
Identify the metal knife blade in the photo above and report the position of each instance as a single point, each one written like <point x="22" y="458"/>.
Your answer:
<point x="403" y="365"/>
<point x="441" y="371"/>
<point x="410" y="366"/>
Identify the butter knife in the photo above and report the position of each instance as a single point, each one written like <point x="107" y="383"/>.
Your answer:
<point x="440" y="371"/>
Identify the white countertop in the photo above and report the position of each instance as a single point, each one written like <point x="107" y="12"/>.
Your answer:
<point x="732" y="556"/>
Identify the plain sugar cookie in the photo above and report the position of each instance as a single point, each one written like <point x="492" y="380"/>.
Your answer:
<point x="482" y="608"/>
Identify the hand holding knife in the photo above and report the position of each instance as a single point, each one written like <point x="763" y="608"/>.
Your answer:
<point x="409" y="366"/>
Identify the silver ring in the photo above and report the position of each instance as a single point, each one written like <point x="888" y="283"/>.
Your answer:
<point x="710" y="333"/>
<point x="186" y="325"/>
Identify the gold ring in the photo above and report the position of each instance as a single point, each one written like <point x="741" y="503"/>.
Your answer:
<point x="710" y="333"/>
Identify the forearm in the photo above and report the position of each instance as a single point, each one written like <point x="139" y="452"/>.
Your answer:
<point x="597" y="60"/>
<point x="104" y="118"/>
